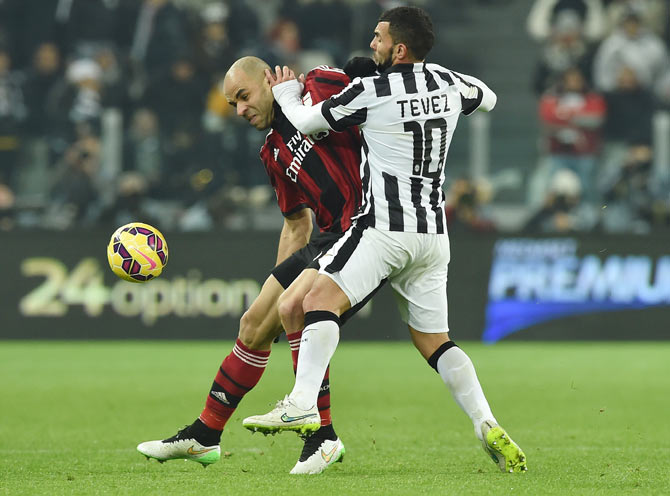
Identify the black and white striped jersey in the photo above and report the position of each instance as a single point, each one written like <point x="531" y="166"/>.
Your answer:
<point x="407" y="117"/>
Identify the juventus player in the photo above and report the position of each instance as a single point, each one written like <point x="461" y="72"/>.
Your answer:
<point x="317" y="173"/>
<point x="407" y="116"/>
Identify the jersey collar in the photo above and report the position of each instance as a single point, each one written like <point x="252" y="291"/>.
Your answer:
<point x="416" y="67"/>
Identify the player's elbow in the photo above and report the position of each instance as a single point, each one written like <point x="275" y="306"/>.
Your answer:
<point x="305" y="128"/>
<point x="489" y="101"/>
<point x="494" y="101"/>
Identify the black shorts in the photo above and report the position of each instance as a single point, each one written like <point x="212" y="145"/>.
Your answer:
<point x="307" y="257"/>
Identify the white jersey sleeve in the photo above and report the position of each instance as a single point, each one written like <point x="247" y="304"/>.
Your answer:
<point x="305" y="118"/>
<point x="474" y="94"/>
<point x="350" y="106"/>
<point x="347" y="108"/>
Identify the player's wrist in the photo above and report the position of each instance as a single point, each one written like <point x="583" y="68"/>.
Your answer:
<point x="287" y="91"/>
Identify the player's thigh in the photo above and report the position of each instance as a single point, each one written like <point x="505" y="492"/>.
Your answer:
<point x="360" y="261"/>
<point x="326" y="295"/>
<point x="291" y="301"/>
<point x="420" y="286"/>
<point x="260" y="324"/>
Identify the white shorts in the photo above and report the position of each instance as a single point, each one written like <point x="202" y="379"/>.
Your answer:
<point x="414" y="263"/>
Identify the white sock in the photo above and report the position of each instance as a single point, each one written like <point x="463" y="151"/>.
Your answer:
<point x="458" y="373"/>
<point x="317" y="347"/>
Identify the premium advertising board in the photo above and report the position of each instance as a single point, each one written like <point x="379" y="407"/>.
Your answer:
<point x="579" y="288"/>
<point x="56" y="285"/>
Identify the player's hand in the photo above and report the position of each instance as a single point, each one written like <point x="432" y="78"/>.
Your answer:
<point x="360" y="67"/>
<point x="281" y="75"/>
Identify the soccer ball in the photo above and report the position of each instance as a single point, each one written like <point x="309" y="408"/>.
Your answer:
<point x="137" y="252"/>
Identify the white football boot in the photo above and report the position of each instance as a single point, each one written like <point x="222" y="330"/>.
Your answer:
<point x="286" y="416"/>
<point x="180" y="447"/>
<point x="318" y="454"/>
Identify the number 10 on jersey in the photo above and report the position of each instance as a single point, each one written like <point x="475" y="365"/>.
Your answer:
<point x="423" y="146"/>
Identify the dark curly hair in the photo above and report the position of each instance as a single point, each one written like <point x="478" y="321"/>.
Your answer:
<point x="412" y="27"/>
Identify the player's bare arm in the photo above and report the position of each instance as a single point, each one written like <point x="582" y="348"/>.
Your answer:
<point x="295" y="234"/>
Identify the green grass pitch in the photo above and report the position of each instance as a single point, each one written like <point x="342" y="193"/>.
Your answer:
<point x="590" y="417"/>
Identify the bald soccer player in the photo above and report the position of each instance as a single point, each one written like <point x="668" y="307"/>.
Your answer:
<point x="313" y="175"/>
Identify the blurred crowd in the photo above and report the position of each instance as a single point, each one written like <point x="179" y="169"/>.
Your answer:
<point x="603" y="74"/>
<point x="112" y="110"/>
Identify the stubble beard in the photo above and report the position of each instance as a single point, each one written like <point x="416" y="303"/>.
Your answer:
<point x="386" y="62"/>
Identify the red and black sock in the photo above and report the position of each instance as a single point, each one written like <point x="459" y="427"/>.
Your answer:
<point x="239" y="373"/>
<point x="323" y="402"/>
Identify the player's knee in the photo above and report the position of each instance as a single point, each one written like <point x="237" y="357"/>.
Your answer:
<point x="290" y="309"/>
<point x="251" y="330"/>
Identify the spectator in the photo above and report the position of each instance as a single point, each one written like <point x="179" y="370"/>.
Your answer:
<point x="244" y="26"/>
<point x="159" y="38"/>
<point x="143" y="151"/>
<point x="86" y="22"/>
<point x="572" y="117"/>
<point x="13" y="114"/>
<point x="630" y="108"/>
<point x="565" y="49"/>
<point x="178" y="101"/>
<point x="284" y="44"/>
<point x="10" y="12"/>
<point x="77" y="100"/>
<point x="6" y="208"/>
<point x="41" y="130"/>
<point x="562" y="211"/>
<point x="214" y="52"/>
<point x="217" y="109"/>
<point x="130" y="202"/>
<point x="628" y="123"/>
<point x="654" y="13"/>
<point x="630" y="197"/>
<point x="74" y="192"/>
<point x="465" y="201"/>
<point x="634" y="46"/>
<point x="45" y="72"/>
<point x="545" y="13"/>
<point x="312" y="15"/>
<point x="31" y="22"/>
<point x="662" y="89"/>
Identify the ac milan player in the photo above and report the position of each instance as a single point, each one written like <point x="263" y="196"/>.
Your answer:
<point x="318" y="173"/>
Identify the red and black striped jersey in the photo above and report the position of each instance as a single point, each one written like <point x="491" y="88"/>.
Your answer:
<point x="321" y="171"/>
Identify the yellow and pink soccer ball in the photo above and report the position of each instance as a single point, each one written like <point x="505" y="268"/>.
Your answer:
<point x="137" y="252"/>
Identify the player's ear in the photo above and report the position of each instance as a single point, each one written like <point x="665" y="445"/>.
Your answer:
<point x="401" y="51"/>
